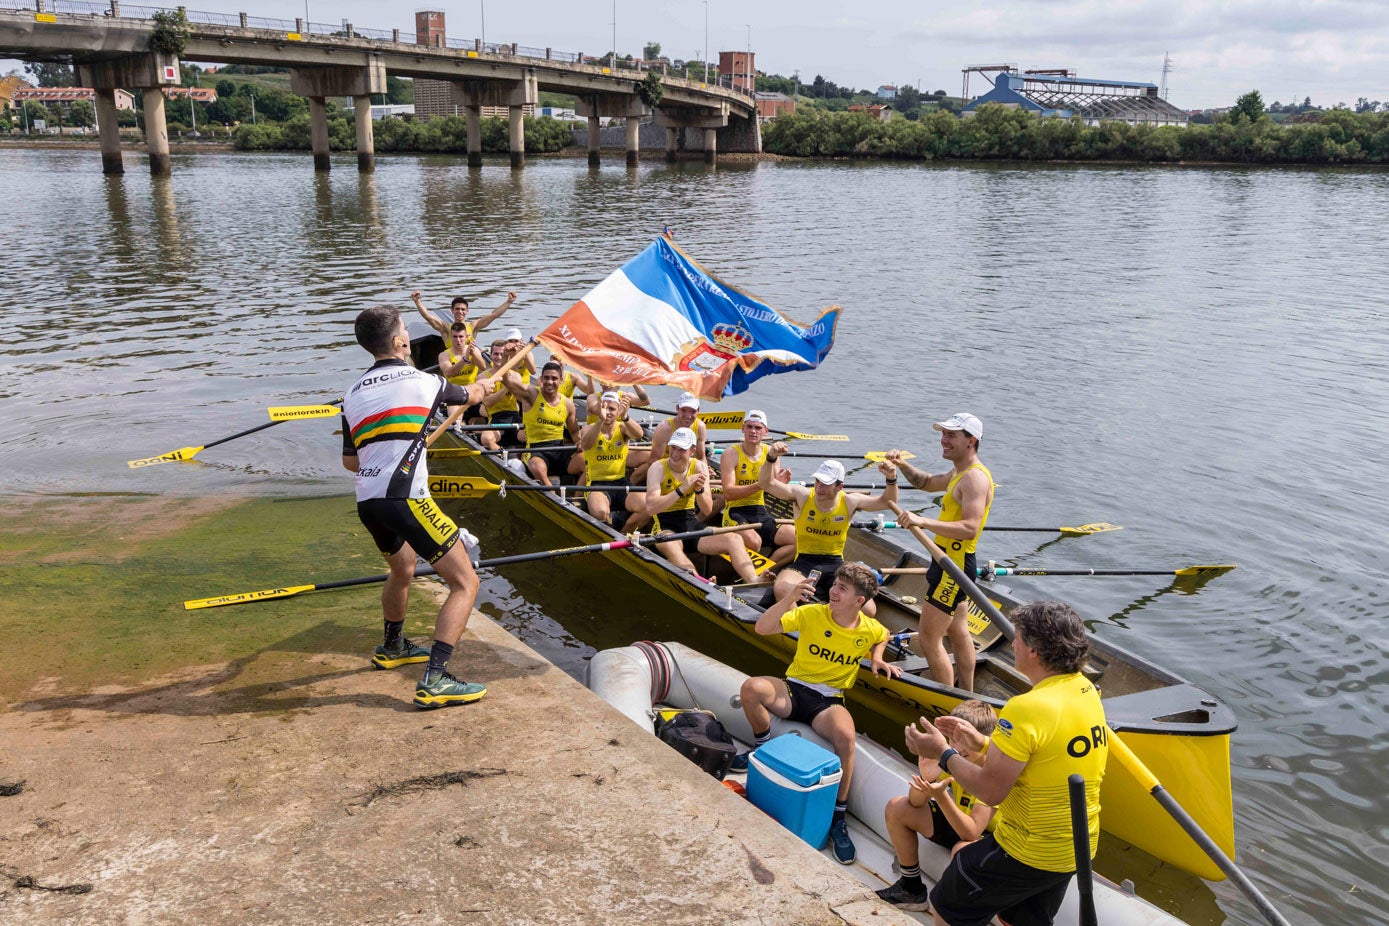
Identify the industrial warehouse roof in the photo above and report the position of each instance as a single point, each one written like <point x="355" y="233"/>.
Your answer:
<point x="1090" y="99"/>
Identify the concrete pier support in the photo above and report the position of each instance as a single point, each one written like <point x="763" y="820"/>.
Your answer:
<point x="711" y="145"/>
<point x="517" y="116"/>
<point x="110" y="130"/>
<point x="633" y="140"/>
<point x="318" y="133"/>
<point x="672" y="144"/>
<point x="593" y="141"/>
<point x="366" y="140"/>
<point x="472" y="118"/>
<point x="677" y="120"/>
<point x="156" y="133"/>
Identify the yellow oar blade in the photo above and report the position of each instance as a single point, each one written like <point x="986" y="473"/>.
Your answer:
<point x="460" y="487"/>
<point x="722" y="421"/>
<point x="244" y="597"/>
<point x="799" y="436"/>
<point x="173" y="456"/>
<point x="1097" y="528"/>
<point x="1206" y="570"/>
<point x="298" y="412"/>
<point x="878" y="456"/>
<point x="447" y="453"/>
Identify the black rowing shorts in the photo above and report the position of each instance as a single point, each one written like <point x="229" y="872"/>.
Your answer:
<point x="394" y="522"/>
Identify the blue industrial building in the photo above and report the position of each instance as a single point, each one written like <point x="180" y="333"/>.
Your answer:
<point x="1094" y="101"/>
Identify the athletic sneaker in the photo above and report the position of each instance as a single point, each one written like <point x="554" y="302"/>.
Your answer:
<point x="844" y="851"/>
<point x="740" y="762"/>
<point x="905" y="898"/>
<point x="403" y="653"/>
<point x="442" y="690"/>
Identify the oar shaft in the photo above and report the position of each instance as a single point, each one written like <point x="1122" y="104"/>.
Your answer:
<point x="1080" y="836"/>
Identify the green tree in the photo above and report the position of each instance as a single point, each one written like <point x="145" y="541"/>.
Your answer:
<point x="651" y="51"/>
<point x="225" y="88"/>
<point x="81" y="114"/>
<point x="1251" y="106"/>
<point x="51" y="73"/>
<point x="400" y="90"/>
<point x="33" y="110"/>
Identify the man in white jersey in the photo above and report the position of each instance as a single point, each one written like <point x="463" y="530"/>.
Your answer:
<point x="386" y="416"/>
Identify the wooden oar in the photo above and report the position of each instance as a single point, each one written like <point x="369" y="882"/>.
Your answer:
<point x="1026" y="571"/>
<point x="1117" y="746"/>
<point x="188" y="453"/>
<point x="446" y="452"/>
<point x="496" y="377"/>
<point x="423" y="571"/>
<point x="1099" y="527"/>
<point x="732" y="421"/>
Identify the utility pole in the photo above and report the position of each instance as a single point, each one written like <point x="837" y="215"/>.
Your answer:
<point x="752" y="81"/>
<point x="1166" y="69"/>
<point x="482" y="11"/>
<point x="706" y="41"/>
<point x="613" y="59"/>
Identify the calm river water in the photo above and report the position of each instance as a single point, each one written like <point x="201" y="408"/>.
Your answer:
<point x="1196" y="354"/>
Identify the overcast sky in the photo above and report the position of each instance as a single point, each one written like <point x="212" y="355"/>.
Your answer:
<point x="1330" y="50"/>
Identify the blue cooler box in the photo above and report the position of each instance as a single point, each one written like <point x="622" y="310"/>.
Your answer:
<point x="794" y="781"/>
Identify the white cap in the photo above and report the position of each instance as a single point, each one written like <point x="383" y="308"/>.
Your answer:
<point x="961" y="421"/>
<point x="830" y="472"/>
<point x="610" y="397"/>
<point x="755" y="416"/>
<point x="513" y="335"/>
<point x="683" y="438"/>
<point x="688" y="400"/>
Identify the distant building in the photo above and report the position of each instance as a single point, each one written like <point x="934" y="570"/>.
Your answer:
<point x="202" y="95"/>
<point x="384" y="110"/>
<point x="770" y="105"/>
<point x="739" y="65"/>
<point x="882" y="112"/>
<point x="1089" y="99"/>
<point x="8" y="87"/>
<point x="64" y="97"/>
<point x="561" y="113"/>
<point x="887" y="92"/>
<point x="432" y="97"/>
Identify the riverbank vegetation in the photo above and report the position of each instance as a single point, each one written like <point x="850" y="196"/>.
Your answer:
<point x="1339" y="137"/>
<point x="447" y="134"/>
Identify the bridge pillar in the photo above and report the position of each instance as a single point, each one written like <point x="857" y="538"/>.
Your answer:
<point x="357" y="81"/>
<point x="517" y="117"/>
<point x="672" y="143"/>
<point x="148" y="72"/>
<point x="110" y="130"/>
<point x="711" y="145"/>
<point x="472" y="116"/>
<point x="594" y="142"/>
<point x="366" y="140"/>
<point x="680" y="118"/>
<point x="318" y="133"/>
<point x="633" y="140"/>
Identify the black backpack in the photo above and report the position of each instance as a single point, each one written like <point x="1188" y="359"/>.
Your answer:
<point x="699" y="737"/>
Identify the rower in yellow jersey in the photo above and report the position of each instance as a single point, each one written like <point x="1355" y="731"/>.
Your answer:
<point x="460" y="364"/>
<point x="744" y="501"/>
<point x="548" y="417"/>
<point x="501" y="404"/>
<point x="823" y="516"/>
<point x="964" y="508"/>
<point x="458" y="312"/>
<point x="604" y="446"/>
<point x="686" y="416"/>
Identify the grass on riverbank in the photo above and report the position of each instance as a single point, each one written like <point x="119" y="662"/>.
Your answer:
<point x="95" y="585"/>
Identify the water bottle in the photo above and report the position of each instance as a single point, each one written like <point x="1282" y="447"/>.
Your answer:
<point x="814" y="576"/>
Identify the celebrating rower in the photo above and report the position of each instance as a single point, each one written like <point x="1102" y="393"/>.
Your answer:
<point x="686" y="416"/>
<point x="385" y="423"/>
<point x="744" y="501"/>
<point x="823" y="516"/>
<point x="673" y="486"/>
<point x="460" y="363"/>
<point x="500" y="403"/>
<point x="964" y="508"/>
<point x="458" y="309"/>
<point x="548" y="417"/>
<point x="604" y="446"/>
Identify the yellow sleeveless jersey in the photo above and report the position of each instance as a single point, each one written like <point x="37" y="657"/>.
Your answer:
<point x="508" y="402"/>
<point x="545" y="422"/>
<point x="826" y="653"/>
<point x="745" y="474"/>
<point x="964" y="800"/>
<point x="566" y="385"/>
<point x="950" y="511"/>
<point x="669" y="482"/>
<point x="1058" y="729"/>
<point x="607" y="460"/>
<point x="467" y="374"/>
<point x="819" y="532"/>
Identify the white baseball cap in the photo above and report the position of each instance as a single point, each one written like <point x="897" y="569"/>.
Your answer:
<point x="610" y="397"/>
<point x="961" y="421"/>
<point x="688" y="400"/>
<point x="683" y="438"/>
<point x="830" y="472"/>
<point x="755" y="416"/>
<point x="513" y="335"/>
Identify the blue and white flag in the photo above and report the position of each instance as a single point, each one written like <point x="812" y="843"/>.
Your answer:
<point x="662" y="318"/>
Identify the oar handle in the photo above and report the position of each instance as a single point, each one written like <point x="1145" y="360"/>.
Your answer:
<point x="1080" y="836"/>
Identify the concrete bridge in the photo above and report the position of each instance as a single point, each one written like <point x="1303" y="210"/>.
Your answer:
<point x="111" y="48"/>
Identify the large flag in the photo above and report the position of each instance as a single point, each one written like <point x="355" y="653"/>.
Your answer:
<point x="662" y="318"/>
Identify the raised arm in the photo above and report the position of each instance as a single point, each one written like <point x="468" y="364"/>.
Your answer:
<point x="526" y="393"/>
<point x="704" y="501"/>
<point x="860" y="501"/>
<point x="495" y="314"/>
<point x="770" y="620"/>
<point x="918" y="478"/>
<point x="435" y="322"/>
<point x="973" y="493"/>
<point x="766" y="483"/>
<point x="989" y="782"/>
